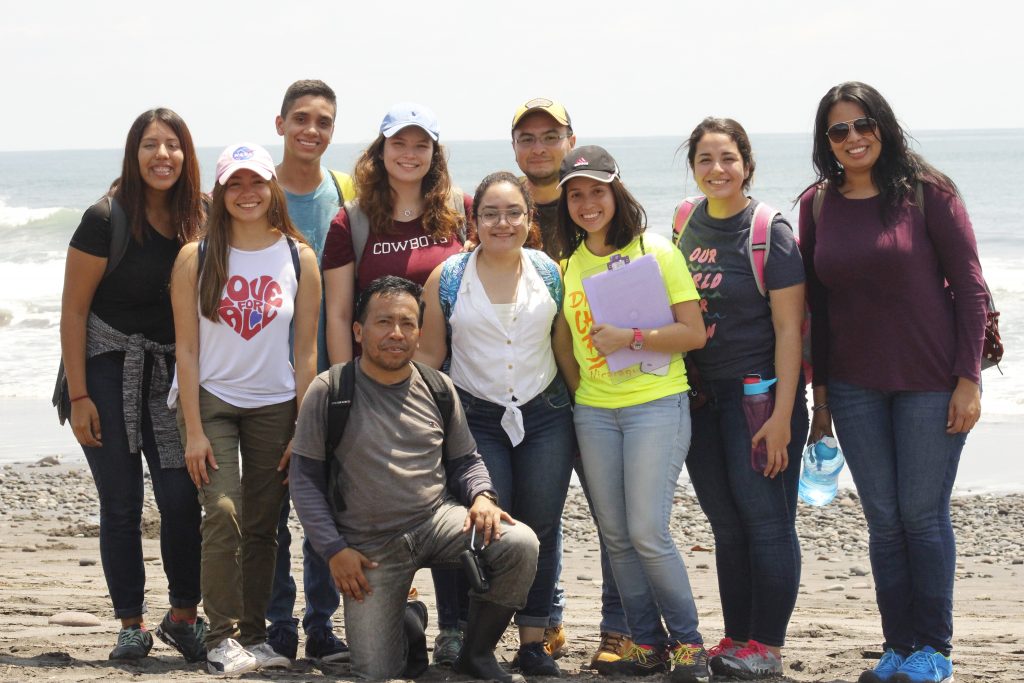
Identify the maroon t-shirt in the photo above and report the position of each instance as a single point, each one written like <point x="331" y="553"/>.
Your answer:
<point x="882" y="317"/>
<point x="406" y="251"/>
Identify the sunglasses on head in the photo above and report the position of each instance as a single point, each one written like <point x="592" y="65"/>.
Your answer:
<point x="838" y="132"/>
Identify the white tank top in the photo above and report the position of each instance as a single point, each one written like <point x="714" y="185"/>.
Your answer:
<point x="244" y="356"/>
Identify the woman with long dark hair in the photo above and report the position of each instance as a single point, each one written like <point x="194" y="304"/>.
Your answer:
<point x="237" y="296"/>
<point x="633" y="423"/>
<point x="117" y="343"/>
<point x="898" y="315"/>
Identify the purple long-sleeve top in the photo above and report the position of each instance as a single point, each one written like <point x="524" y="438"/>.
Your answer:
<point x="882" y="315"/>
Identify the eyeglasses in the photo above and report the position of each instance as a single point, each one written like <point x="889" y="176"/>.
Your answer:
<point x="548" y="140"/>
<point x="490" y="217"/>
<point x="838" y="132"/>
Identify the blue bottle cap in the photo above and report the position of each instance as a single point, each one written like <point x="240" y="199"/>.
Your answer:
<point x="827" y="448"/>
<point x="753" y="384"/>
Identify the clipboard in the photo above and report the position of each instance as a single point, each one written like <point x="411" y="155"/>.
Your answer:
<point x="631" y="294"/>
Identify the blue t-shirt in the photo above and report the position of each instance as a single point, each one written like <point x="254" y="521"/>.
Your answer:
<point x="312" y="212"/>
<point x="741" y="337"/>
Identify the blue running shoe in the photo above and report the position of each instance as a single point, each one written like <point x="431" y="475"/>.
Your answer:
<point x="886" y="668"/>
<point x="925" y="666"/>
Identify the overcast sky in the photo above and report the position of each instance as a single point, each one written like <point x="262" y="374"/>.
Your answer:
<point x="75" y="73"/>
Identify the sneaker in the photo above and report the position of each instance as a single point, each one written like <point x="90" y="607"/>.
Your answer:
<point x="284" y="640"/>
<point x="447" y="646"/>
<point x="324" y="646"/>
<point x="554" y="641"/>
<point x="188" y="639"/>
<point x="639" y="660"/>
<point x="726" y="646"/>
<point x="883" y="672"/>
<point x="229" y="659"/>
<point x="748" y="663"/>
<point x="268" y="658"/>
<point x="533" y="660"/>
<point x="925" y="666"/>
<point x="611" y="649"/>
<point x="133" y="642"/>
<point x="689" y="663"/>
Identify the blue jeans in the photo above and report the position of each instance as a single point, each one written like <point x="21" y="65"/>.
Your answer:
<point x="904" y="465"/>
<point x="613" y="618"/>
<point x="531" y="478"/>
<point x="633" y="457"/>
<point x="757" y="551"/>
<point x="322" y="597"/>
<point x="374" y="625"/>
<point x="118" y="476"/>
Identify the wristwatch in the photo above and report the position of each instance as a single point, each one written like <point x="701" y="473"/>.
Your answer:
<point x="638" y="340"/>
<point x="491" y="496"/>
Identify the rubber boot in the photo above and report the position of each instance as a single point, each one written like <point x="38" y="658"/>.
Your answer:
<point x="415" y="626"/>
<point x="487" y="622"/>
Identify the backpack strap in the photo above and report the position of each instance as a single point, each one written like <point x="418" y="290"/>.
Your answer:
<point x="759" y="242"/>
<point x="293" y="247"/>
<point x="359" y="229"/>
<point x="120" y="234"/>
<point x="344" y="185"/>
<point x="341" y="381"/>
<point x="819" y="198"/>
<point x="452" y="271"/>
<point x="548" y="271"/>
<point x="441" y="392"/>
<point x="681" y="217"/>
<point x="456" y="199"/>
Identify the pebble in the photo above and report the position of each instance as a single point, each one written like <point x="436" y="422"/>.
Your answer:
<point x="48" y="461"/>
<point x="74" y="619"/>
<point x="584" y="577"/>
<point x="859" y="570"/>
<point x="86" y="562"/>
<point x="835" y="588"/>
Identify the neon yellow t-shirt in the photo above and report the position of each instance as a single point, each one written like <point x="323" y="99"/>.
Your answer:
<point x="629" y="386"/>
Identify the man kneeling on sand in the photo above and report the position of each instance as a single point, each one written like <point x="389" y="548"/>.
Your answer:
<point x="385" y="507"/>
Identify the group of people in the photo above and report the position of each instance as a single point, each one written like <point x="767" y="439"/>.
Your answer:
<point x="421" y="369"/>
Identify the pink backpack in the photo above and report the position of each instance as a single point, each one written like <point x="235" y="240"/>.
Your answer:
<point x="758" y="246"/>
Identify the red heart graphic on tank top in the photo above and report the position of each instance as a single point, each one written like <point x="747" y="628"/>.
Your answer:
<point x="250" y="305"/>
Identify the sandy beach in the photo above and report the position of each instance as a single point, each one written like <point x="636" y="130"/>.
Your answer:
<point x="49" y="563"/>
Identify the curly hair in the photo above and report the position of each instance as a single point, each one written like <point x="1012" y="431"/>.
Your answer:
<point x="376" y="198"/>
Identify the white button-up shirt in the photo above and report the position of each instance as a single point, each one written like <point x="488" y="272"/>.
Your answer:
<point x="504" y="359"/>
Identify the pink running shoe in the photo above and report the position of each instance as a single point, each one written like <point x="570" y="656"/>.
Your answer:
<point x="749" y="663"/>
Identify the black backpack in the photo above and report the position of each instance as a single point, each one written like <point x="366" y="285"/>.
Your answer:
<point x="342" y="383"/>
<point x="120" y="233"/>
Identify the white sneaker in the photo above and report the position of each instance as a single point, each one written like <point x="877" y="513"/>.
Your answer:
<point x="229" y="659"/>
<point x="268" y="658"/>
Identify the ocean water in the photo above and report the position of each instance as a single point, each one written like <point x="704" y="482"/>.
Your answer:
<point x="43" y="195"/>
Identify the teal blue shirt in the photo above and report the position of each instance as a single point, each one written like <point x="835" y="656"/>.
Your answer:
<point x="312" y="212"/>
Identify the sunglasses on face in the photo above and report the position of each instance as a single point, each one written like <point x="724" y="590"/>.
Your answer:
<point x="838" y="132"/>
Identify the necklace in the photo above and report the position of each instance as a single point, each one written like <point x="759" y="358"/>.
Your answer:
<point x="407" y="213"/>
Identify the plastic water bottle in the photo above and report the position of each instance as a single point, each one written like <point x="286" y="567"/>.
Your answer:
<point x="819" y="479"/>
<point x="758" y="404"/>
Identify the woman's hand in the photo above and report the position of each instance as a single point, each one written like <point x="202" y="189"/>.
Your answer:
<point x="775" y="434"/>
<point x="199" y="454"/>
<point x="821" y="425"/>
<point x="964" y="407"/>
<point x="85" y="423"/>
<point x="608" y="339"/>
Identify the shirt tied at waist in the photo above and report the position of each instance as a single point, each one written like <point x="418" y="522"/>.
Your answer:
<point x="102" y="338"/>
